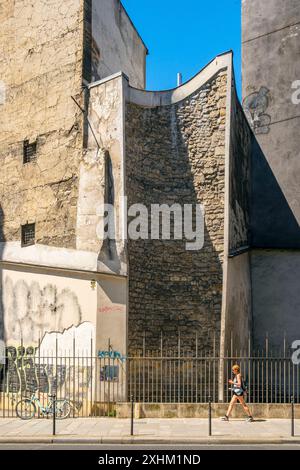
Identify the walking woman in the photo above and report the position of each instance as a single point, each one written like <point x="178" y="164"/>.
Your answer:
<point x="238" y="390"/>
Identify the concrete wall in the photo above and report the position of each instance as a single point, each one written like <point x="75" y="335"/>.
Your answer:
<point x="112" y="315"/>
<point x="236" y="305"/>
<point x="276" y="301"/>
<point x="271" y="44"/>
<point x="175" y="154"/>
<point x="200" y="410"/>
<point x="239" y="177"/>
<point x="237" y="320"/>
<point x="114" y="43"/>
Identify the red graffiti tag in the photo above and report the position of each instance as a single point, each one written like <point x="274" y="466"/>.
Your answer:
<point x="110" y="309"/>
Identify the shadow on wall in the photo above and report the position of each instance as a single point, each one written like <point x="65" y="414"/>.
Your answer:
<point x="273" y="224"/>
<point x="109" y="254"/>
<point x="173" y="290"/>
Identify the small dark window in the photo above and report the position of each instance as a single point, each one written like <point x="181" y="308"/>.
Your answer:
<point x="28" y="234"/>
<point x="29" y="151"/>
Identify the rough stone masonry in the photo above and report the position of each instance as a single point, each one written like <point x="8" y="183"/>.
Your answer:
<point x="175" y="154"/>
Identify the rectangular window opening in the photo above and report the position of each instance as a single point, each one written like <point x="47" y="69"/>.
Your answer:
<point x="28" y="234"/>
<point x="29" y="152"/>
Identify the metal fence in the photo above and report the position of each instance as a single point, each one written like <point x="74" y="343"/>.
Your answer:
<point x="94" y="385"/>
<point x="194" y="380"/>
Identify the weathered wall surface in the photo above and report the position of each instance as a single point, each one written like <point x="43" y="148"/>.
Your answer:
<point x="237" y="308"/>
<point x="237" y="326"/>
<point x="271" y="48"/>
<point x="102" y="177"/>
<point x="40" y="72"/>
<point x="175" y="154"/>
<point x="113" y="42"/>
<point x="112" y="315"/>
<point x="41" y="64"/>
<point x="102" y="182"/>
<point x="34" y="305"/>
<point x="276" y="300"/>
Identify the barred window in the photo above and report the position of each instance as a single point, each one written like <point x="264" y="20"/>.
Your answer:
<point x="28" y="234"/>
<point x="29" y="152"/>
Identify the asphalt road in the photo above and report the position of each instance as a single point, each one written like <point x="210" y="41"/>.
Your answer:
<point x="115" y="447"/>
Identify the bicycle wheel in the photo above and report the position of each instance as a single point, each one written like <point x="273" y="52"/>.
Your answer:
<point x="25" y="409"/>
<point x="63" y="409"/>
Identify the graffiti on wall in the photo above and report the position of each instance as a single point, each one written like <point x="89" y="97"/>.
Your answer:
<point x="255" y="106"/>
<point x="30" y="310"/>
<point x="24" y="372"/>
<point x="111" y="355"/>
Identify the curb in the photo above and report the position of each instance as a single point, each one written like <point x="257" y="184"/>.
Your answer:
<point x="147" y="441"/>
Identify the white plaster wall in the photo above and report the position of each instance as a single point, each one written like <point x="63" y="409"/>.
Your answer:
<point x="112" y="315"/>
<point x="44" y="255"/>
<point x="118" y="45"/>
<point x="34" y="305"/>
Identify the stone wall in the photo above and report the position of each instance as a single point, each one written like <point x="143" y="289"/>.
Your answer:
<point x="271" y="68"/>
<point x="176" y="154"/>
<point x="41" y="66"/>
<point x="44" y="57"/>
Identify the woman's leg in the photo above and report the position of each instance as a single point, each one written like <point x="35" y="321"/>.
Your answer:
<point x="244" y="405"/>
<point x="231" y="405"/>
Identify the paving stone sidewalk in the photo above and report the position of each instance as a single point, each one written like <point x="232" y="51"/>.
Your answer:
<point x="147" y="430"/>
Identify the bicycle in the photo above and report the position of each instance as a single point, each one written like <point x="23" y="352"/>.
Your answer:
<point x="27" y="407"/>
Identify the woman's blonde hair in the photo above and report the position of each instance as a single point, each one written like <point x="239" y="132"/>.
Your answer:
<point x="236" y="367"/>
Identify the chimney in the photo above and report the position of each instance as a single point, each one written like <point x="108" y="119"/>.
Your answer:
<point x="179" y="79"/>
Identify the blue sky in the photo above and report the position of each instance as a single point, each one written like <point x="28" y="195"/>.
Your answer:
<point x="184" y="35"/>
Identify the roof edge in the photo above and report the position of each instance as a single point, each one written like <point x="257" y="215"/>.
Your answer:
<point x="166" y="97"/>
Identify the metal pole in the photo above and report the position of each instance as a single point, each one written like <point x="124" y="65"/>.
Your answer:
<point x="132" y="411"/>
<point x="293" y="417"/>
<point x="209" y="416"/>
<point x="54" y="413"/>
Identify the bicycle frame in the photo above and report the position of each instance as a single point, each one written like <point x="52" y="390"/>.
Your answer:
<point x="45" y="410"/>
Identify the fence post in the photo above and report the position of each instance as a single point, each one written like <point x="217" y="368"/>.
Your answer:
<point x="293" y="417"/>
<point x="132" y="412"/>
<point x="54" y="413"/>
<point x="209" y="416"/>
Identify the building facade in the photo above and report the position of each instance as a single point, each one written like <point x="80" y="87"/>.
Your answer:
<point x="271" y="71"/>
<point x="50" y="275"/>
<point x="80" y="131"/>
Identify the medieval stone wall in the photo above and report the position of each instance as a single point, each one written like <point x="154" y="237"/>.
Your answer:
<point x="176" y="154"/>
